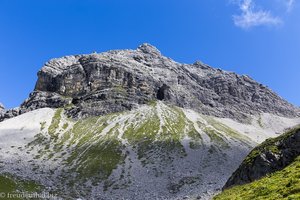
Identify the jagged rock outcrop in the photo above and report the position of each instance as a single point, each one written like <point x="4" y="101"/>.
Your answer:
<point x="2" y="111"/>
<point x="119" y="80"/>
<point x="1" y="108"/>
<point x="270" y="156"/>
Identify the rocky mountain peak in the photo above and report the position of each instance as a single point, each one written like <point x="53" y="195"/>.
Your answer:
<point x="118" y="80"/>
<point x="1" y="107"/>
<point x="149" y="49"/>
<point x="2" y="111"/>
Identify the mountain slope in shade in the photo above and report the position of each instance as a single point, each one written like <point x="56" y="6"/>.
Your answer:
<point x="272" y="155"/>
<point x="283" y="184"/>
<point x="270" y="171"/>
<point x="154" y="151"/>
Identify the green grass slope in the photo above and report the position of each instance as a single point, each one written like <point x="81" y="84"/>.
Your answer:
<point x="12" y="185"/>
<point x="284" y="184"/>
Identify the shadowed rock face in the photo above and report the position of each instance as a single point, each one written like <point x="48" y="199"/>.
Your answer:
<point x="119" y="80"/>
<point x="269" y="157"/>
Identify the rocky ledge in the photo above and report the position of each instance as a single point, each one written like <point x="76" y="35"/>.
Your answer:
<point x="119" y="80"/>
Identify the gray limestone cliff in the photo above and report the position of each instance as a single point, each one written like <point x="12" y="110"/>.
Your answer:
<point x="119" y="80"/>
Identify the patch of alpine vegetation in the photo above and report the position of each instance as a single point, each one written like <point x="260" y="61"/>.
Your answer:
<point x="157" y="134"/>
<point x="12" y="185"/>
<point x="156" y="150"/>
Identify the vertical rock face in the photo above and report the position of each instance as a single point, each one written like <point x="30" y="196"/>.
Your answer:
<point x="120" y="80"/>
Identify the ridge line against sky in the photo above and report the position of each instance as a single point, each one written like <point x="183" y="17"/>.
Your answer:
<point x="253" y="37"/>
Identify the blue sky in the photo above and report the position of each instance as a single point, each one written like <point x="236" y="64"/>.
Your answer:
<point x="253" y="37"/>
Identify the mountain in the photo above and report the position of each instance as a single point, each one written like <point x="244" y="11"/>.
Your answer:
<point x="115" y="81"/>
<point x="133" y="124"/>
<point x="270" y="171"/>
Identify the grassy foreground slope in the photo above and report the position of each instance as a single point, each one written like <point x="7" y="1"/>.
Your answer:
<point x="284" y="184"/>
